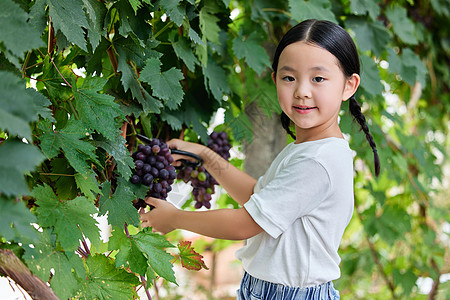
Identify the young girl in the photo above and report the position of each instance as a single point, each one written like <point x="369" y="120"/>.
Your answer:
<point x="294" y="216"/>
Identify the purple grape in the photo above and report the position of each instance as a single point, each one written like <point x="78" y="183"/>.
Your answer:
<point x="135" y="179"/>
<point x="147" y="150"/>
<point x="139" y="164"/>
<point x="151" y="160"/>
<point x="141" y="156"/>
<point x="164" y="174"/>
<point x="157" y="188"/>
<point x="159" y="165"/>
<point x="154" y="172"/>
<point x="148" y="178"/>
<point x="155" y="149"/>
<point x="146" y="168"/>
<point x="140" y="147"/>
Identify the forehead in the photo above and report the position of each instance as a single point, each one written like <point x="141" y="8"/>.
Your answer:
<point x="305" y="55"/>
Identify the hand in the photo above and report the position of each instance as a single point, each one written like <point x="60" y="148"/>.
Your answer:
<point x="185" y="146"/>
<point x="161" y="217"/>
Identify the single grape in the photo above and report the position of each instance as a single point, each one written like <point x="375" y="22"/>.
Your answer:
<point x="139" y="164"/>
<point x="148" y="178"/>
<point x="135" y="179"/>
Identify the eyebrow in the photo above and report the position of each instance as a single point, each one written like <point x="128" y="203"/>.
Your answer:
<point x="317" y="68"/>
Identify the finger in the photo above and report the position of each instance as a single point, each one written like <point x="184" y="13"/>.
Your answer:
<point x="142" y="211"/>
<point x="152" y="201"/>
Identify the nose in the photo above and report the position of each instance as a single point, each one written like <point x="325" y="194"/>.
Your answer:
<point x="302" y="91"/>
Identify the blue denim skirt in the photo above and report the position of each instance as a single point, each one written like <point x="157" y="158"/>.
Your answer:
<point x="256" y="289"/>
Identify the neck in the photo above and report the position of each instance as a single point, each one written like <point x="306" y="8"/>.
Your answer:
<point x="318" y="133"/>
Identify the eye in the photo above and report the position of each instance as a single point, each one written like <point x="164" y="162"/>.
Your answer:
<point x="288" y="78"/>
<point x="318" y="79"/>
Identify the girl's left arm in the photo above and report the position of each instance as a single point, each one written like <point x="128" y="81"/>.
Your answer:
<point x="229" y="224"/>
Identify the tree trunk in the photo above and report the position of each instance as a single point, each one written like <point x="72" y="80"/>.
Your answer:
<point x="269" y="138"/>
<point x="12" y="267"/>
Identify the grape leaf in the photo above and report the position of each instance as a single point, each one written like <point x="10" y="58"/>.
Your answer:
<point x="129" y="252"/>
<point x="69" y="17"/>
<point x="215" y="79"/>
<point x="96" y="12"/>
<point x="318" y="9"/>
<point x="15" y="221"/>
<point x="190" y="259"/>
<point x="401" y="24"/>
<point x="12" y="180"/>
<point x="98" y="111"/>
<point x="69" y="140"/>
<point x="17" y="107"/>
<point x="172" y="120"/>
<point x="104" y="281"/>
<point x="68" y="218"/>
<point x="153" y="244"/>
<point x="44" y="257"/>
<point x="165" y="85"/>
<point x="88" y="185"/>
<point x="17" y="35"/>
<point x="41" y="104"/>
<point x="251" y="50"/>
<point x="175" y="11"/>
<point x="370" y="76"/>
<point x="369" y="35"/>
<point x="121" y="155"/>
<point x="65" y="186"/>
<point x="208" y="22"/>
<point x="184" y="51"/>
<point x="361" y="7"/>
<point x="118" y="205"/>
<point x="266" y="94"/>
<point x="240" y="125"/>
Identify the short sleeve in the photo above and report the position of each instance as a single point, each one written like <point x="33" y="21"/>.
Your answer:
<point x="294" y="192"/>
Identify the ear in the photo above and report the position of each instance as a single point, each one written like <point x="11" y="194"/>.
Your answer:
<point x="274" y="78"/>
<point x="351" y="85"/>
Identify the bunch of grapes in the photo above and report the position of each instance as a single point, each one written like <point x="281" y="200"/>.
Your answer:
<point x="153" y="169"/>
<point x="202" y="182"/>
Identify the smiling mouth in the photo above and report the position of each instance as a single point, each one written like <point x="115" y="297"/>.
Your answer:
<point x="304" y="107"/>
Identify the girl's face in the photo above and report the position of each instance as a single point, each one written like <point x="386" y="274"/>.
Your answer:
<point x="311" y="87"/>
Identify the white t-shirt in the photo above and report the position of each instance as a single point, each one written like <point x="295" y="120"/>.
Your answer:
<point x="304" y="202"/>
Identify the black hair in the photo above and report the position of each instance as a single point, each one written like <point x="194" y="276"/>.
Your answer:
<point x="338" y="42"/>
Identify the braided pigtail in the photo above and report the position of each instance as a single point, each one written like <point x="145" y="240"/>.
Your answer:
<point x="286" y="122"/>
<point x="355" y="110"/>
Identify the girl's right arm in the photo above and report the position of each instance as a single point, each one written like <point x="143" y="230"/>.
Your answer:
<point x="237" y="183"/>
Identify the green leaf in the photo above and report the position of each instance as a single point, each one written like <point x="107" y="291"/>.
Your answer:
<point x="17" y="158"/>
<point x="44" y="257"/>
<point x="215" y="79"/>
<point x="266" y="95"/>
<point x="96" y="12"/>
<point x="119" y="205"/>
<point x="401" y="24"/>
<point x="190" y="259"/>
<point x="184" y="51"/>
<point x="68" y="139"/>
<point x="371" y="36"/>
<point x="69" y="17"/>
<point x="121" y="155"/>
<point x="41" y="104"/>
<point x="172" y="120"/>
<point x="88" y="185"/>
<point x="17" y="106"/>
<point x="65" y="186"/>
<point x="251" y="50"/>
<point x="129" y="252"/>
<point x="153" y="244"/>
<point x="104" y="281"/>
<point x="370" y="76"/>
<point x="69" y="219"/>
<point x="317" y="9"/>
<point x="165" y="85"/>
<point x="208" y="22"/>
<point x="406" y="279"/>
<point x="17" y="35"/>
<point x="15" y="219"/>
<point x="240" y="125"/>
<point x="174" y="10"/>
<point x="98" y="111"/>
<point x="361" y="7"/>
